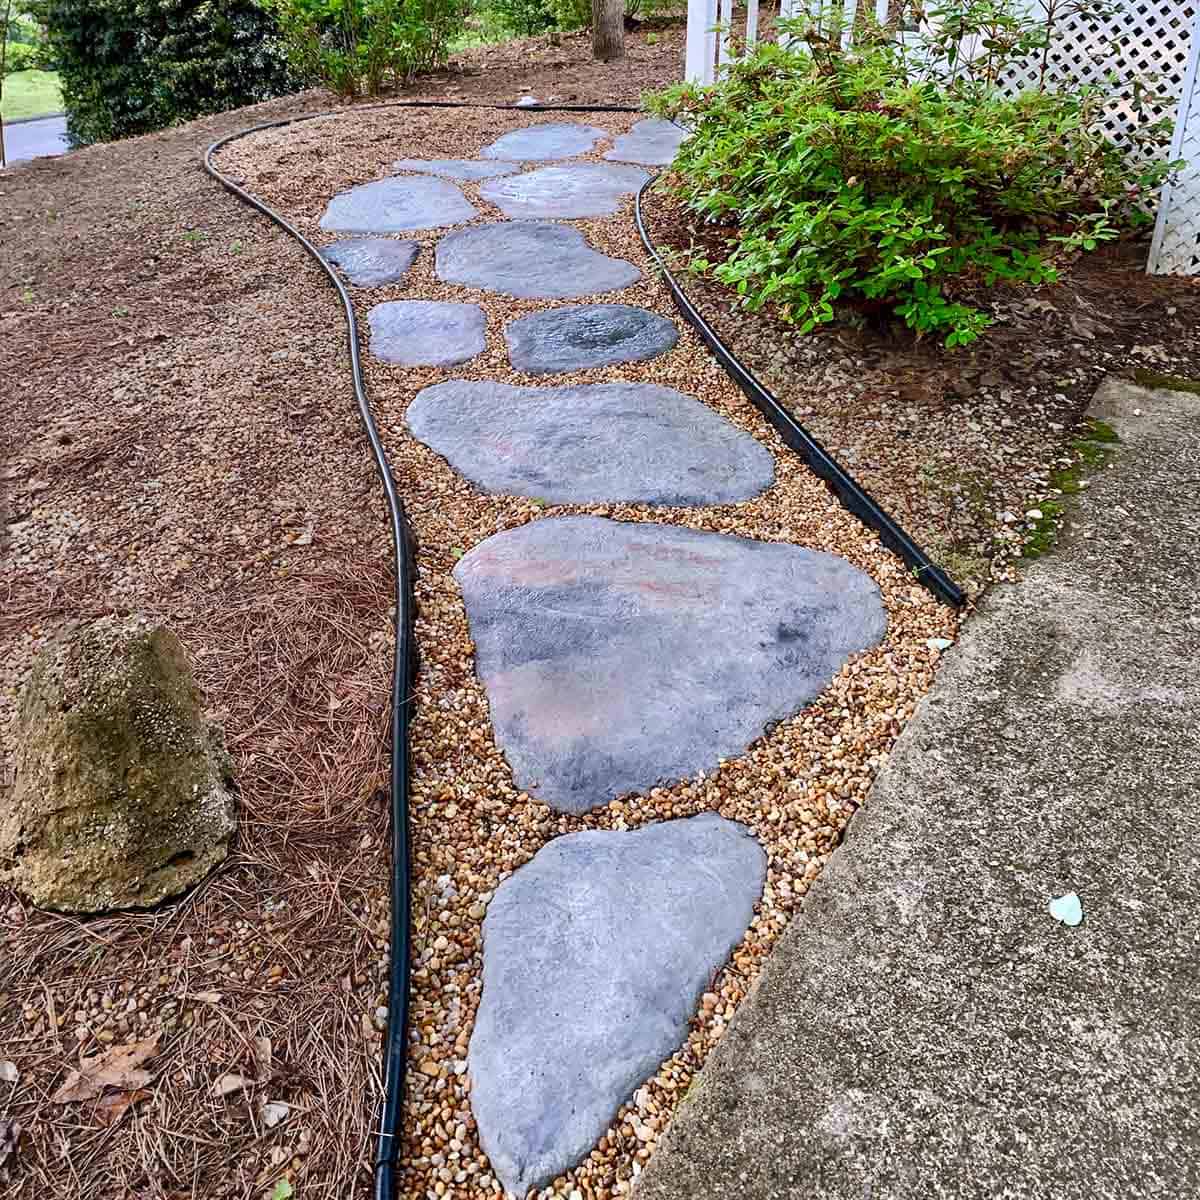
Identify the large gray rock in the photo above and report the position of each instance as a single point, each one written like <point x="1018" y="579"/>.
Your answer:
<point x="371" y="262"/>
<point x="123" y="793"/>
<point x="595" y="954"/>
<point x="617" y="656"/>
<point x="396" y="205"/>
<point x="576" y="190"/>
<point x="587" y="335"/>
<point x="590" y="443"/>
<point x="652" y="142"/>
<point x="426" y="333"/>
<point x="456" y="168"/>
<point x="531" y="260"/>
<point x="543" y="143"/>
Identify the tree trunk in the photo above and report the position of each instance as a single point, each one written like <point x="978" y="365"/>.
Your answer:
<point x="608" y="30"/>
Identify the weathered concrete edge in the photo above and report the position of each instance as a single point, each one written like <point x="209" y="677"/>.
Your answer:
<point x="798" y="1099"/>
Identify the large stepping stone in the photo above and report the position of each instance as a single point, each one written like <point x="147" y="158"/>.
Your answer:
<point x="456" y="168"/>
<point x="544" y="143"/>
<point x="618" y="656"/>
<point x="595" y="954"/>
<point x="652" y="142"/>
<point x="577" y="190"/>
<point x="587" y="335"/>
<point x="590" y="443"/>
<point x="426" y="333"/>
<point x="530" y="260"/>
<point x="371" y="262"/>
<point x="396" y="205"/>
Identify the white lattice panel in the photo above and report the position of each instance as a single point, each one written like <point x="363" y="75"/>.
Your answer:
<point x="1176" y="246"/>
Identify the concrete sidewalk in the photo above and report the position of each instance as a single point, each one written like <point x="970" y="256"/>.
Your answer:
<point x="926" y="1029"/>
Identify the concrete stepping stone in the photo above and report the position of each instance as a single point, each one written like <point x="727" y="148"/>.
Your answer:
<point x="456" y="168"/>
<point x="426" y="333"/>
<point x="530" y="260"/>
<point x="371" y="262"/>
<point x="617" y="656"/>
<point x="590" y="443"/>
<point x="576" y="190"/>
<point x="544" y="143"/>
<point x="595" y="955"/>
<point x="396" y="205"/>
<point x="652" y="142"/>
<point x="587" y="335"/>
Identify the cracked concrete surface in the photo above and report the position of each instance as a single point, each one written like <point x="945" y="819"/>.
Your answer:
<point x="926" y="1029"/>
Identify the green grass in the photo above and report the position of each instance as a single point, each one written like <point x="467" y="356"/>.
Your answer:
<point x="31" y="94"/>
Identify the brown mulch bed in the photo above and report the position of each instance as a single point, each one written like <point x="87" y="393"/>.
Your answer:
<point x="960" y="446"/>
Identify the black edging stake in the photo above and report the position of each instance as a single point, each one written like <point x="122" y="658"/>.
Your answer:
<point x="404" y="662"/>
<point x="852" y="495"/>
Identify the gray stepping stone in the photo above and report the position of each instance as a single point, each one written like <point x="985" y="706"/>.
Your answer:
<point x="371" y="262"/>
<point x="587" y="335"/>
<point x="618" y="656"/>
<point x="544" y="143"/>
<point x="595" y="955"/>
<point x="652" y="142"/>
<point x="590" y="443"/>
<point x="395" y="205"/>
<point x="426" y="333"/>
<point x="531" y="260"/>
<point x="456" y="168"/>
<point x="576" y="190"/>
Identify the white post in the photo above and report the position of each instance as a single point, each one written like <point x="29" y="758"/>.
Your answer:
<point x="752" y="23"/>
<point x="723" y="41"/>
<point x="701" y="42"/>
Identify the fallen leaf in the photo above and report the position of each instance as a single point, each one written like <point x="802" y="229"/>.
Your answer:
<point x="10" y="1141"/>
<point x="111" y="1108"/>
<point x="283" y="1191"/>
<point x="9" y="1072"/>
<point x="118" y="1067"/>
<point x="304" y="537"/>
<point x="263" y="1055"/>
<point x="205" y="997"/>
<point x="273" y="1112"/>
<point x="228" y="1084"/>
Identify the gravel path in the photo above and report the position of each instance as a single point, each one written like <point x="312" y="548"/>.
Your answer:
<point x="794" y="789"/>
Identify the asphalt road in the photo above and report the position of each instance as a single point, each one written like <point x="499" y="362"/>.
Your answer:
<point x="35" y="139"/>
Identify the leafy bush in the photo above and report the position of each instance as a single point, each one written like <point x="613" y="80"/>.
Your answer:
<point x="356" y="46"/>
<point x="131" y="66"/>
<point x="577" y="14"/>
<point x="524" y="17"/>
<point x="893" y="182"/>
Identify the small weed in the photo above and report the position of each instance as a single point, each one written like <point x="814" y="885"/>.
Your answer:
<point x="120" y="311"/>
<point x="652" y="39"/>
<point x="27" y="296"/>
<point x="194" y="236"/>
<point x="1170" y="383"/>
<point x="235" y="248"/>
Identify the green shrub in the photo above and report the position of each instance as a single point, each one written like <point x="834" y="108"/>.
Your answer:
<point x="577" y="14"/>
<point x="363" y="46"/>
<point x="131" y="66"/>
<point x="874" y="179"/>
<point x="524" y="17"/>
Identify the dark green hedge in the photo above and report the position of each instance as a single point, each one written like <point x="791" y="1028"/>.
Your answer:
<point x="131" y="66"/>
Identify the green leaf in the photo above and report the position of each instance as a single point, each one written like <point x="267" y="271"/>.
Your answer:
<point x="283" y="1190"/>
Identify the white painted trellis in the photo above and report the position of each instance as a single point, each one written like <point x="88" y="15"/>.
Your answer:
<point x="1139" y="39"/>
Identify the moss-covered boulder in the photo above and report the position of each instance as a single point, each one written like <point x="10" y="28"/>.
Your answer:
<point x="123" y="792"/>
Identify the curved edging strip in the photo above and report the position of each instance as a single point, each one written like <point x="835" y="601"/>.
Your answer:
<point x="404" y="660"/>
<point x="848" y="490"/>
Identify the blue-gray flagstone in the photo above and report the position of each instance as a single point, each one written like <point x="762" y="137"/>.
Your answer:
<point x="371" y="262"/>
<point x="590" y="443"/>
<point x="426" y="333"/>
<point x="398" y="204"/>
<point x="530" y="260"/>
<point x="567" y="192"/>
<point x="456" y="168"/>
<point x="652" y="142"/>
<point x="617" y="656"/>
<point x="543" y="143"/>
<point x="595" y="954"/>
<point x="578" y="336"/>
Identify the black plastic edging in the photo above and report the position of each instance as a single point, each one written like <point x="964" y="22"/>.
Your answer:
<point x="848" y="490"/>
<point x="404" y="661"/>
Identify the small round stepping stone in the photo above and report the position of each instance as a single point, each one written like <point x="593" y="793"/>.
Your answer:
<point x="595" y="955"/>
<point x="652" y="142"/>
<point x="577" y="190"/>
<point x="530" y="260"/>
<point x="371" y="262"/>
<point x="618" y="656"/>
<point x="396" y="205"/>
<point x="587" y="335"/>
<point x="456" y="168"/>
<point x="426" y="333"/>
<point x="544" y="143"/>
<point x="591" y="443"/>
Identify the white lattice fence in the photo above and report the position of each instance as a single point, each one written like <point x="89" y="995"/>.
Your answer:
<point x="1176" y="246"/>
